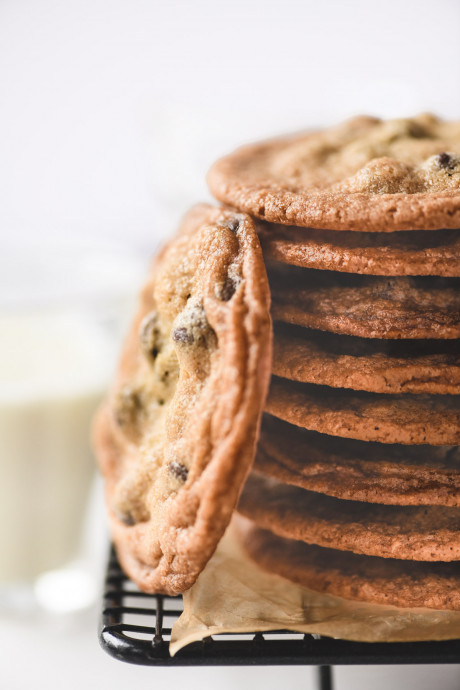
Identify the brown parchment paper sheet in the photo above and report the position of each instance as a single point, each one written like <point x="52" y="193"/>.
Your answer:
<point x="233" y="595"/>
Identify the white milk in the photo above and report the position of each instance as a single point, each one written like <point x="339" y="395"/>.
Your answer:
<point x="54" y="368"/>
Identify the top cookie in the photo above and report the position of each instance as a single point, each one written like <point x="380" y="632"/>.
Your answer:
<point x="366" y="174"/>
<point x="176" y="438"/>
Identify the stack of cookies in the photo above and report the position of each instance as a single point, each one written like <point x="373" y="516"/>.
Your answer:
<point x="353" y="484"/>
<point x="355" y="489"/>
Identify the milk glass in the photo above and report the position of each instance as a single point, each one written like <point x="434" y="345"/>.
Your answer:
<point x="63" y="308"/>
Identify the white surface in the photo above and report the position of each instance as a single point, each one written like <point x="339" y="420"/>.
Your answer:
<point x="111" y="112"/>
<point x="68" y="656"/>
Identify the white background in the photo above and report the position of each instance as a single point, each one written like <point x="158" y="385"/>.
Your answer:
<point x="111" y="111"/>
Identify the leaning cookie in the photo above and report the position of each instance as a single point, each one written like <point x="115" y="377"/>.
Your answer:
<point x="176" y="437"/>
<point x="364" y="174"/>
<point x="417" y="533"/>
<point x="351" y="576"/>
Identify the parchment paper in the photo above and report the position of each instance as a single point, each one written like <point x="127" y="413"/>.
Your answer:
<point x="233" y="595"/>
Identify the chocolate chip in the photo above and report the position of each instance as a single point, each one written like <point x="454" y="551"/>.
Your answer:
<point x="182" y="335"/>
<point x="228" y="289"/>
<point x="232" y="224"/>
<point x="150" y="335"/>
<point x="178" y="470"/>
<point x="444" y="160"/>
<point x="417" y="131"/>
<point x="126" y="518"/>
<point x="191" y="326"/>
<point x="127" y="406"/>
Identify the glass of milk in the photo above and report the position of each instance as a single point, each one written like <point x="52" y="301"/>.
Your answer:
<point x="63" y="308"/>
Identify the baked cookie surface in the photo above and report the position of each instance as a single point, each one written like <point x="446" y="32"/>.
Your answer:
<point x="369" y="174"/>
<point x="379" y="366"/>
<point x="367" y="306"/>
<point x="422" y="253"/>
<point x="351" y="576"/>
<point x="359" y="470"/>
<point x="404" y="418"/>
<point x="176" y="437"/>
<point x="419" y="533"/>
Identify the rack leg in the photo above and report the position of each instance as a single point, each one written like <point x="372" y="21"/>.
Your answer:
<point x="325" y="678"/>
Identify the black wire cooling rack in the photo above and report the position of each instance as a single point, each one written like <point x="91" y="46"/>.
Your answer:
<point x="136" y="628"/>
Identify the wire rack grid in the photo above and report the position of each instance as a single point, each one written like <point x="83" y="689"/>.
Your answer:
<point x="135" y="627"/>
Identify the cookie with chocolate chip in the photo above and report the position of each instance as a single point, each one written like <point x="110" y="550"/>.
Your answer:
<point x="415" y="253"/>
<point x="378" y="366"/>
<point x="344" y="574"/>
<point x="359" y="470"/>
<point x="366" y="174"/>
<point x="418" y="533"/>
<point x="176" y="437"/>
<point x="367" y="306"/>
<point x="403" y="418"/>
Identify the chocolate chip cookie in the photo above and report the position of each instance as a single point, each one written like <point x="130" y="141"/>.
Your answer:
<point x="367" y="306"/>
<point x="404" y="418"/>
<point x="361" y="578"/>
<point x="176" y="437"/>
<point x="419" y="533"/>
<point x="366" y="174"/>
<point x="379" y="366"/>
<point x="359" y="470"/>
<point x="421" y="253"/>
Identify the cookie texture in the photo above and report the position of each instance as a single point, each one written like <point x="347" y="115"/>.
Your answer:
<point x="419" y="533"/>
<point x="405" y="418"/>
<point x="369" y="174"/>
<point x="379" y="366"/>
<point x="359" y="470"/>
<point x="376" y="580"/>
<point x="176" y="437"/>
<point x="422" y="253"/>
<point x="367" y="306"/>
